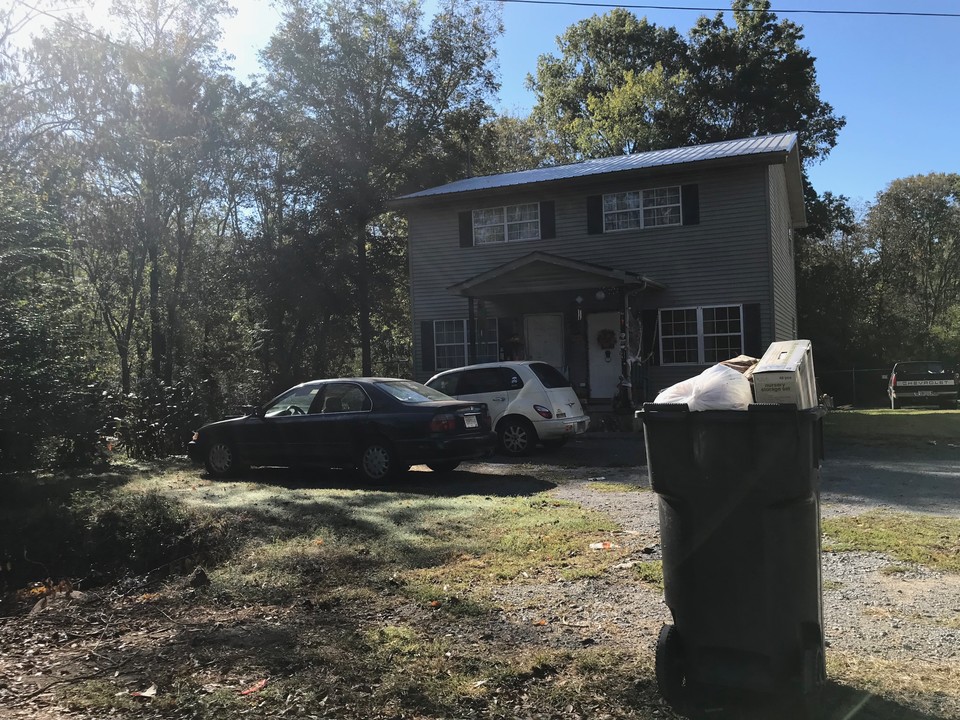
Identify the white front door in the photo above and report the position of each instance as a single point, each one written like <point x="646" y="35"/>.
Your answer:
<point x="544" y="336"/>
<point x="604" y="364"/>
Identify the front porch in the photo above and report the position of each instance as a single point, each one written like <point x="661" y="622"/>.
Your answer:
<point x="582" y="318"/>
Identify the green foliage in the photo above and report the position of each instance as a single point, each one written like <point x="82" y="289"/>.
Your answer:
<point x="49" y="407"/>
<point x="914" y="230"/>
<point x="625" y="85"/>
<point x="609" y="66"/>
<point x="87" y="528"/>
<point x="361" y="93"/>
<point x="755" y="78"/>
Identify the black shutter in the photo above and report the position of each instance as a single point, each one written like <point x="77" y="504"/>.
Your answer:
<point x="595" y="215"/>
<point x="751" y="330"/>
<point x="548" y="220"/>
<point x="650" y="352"/>
<point x="690" y="203"/>
<point x="466" y="229"/>
<point x="429" y="360"/>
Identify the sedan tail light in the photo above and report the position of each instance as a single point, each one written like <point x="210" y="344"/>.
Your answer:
<point x="443" y="423"/>
<point x="543" y="412"/>
<point x="893" y="380"/>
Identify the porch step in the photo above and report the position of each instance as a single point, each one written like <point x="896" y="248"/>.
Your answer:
<point x="608" y="421"/>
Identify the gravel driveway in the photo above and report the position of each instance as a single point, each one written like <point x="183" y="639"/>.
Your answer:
<point x="905" y="622"/>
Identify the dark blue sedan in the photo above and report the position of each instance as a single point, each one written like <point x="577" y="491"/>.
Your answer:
<point x="380" y="426"/>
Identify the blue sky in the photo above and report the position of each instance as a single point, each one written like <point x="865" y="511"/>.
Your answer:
<point x="895" y="79"/>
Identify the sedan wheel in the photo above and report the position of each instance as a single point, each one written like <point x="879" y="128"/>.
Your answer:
<point x="376" y="461"/>
<point x="221" y="460"/>
<point x="516" y="438"/>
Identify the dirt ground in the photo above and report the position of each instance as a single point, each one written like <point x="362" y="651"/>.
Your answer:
<point x="902" y="629"/>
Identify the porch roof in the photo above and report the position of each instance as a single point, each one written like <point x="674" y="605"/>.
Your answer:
<point x="544" y="272"/>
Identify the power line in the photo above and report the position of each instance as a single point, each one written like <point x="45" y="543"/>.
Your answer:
<point x="877" y="13"/>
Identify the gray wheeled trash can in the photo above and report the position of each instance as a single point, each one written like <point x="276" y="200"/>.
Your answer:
<point x="740" y="534"/>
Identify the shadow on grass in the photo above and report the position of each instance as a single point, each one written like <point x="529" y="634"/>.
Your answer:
<point x="837" y="702"/>
<point x="840" y="702"/>
<point x="457" y="483"/>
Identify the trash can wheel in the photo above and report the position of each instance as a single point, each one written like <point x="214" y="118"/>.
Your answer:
<point x="669" y="666"/>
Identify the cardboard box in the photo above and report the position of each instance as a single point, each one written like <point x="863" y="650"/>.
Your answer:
<point x="785" y="375"/>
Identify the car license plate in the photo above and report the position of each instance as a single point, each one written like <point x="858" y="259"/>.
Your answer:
<point x="470" y="421"/>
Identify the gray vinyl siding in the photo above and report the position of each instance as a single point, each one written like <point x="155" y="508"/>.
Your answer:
<point x="782" y="260"/>
<point x="725" y="259"/>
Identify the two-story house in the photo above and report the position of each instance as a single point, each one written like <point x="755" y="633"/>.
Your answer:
<point x="648" y="267"/>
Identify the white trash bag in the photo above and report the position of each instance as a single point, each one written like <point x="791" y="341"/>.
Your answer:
<point x="716" y="388"/>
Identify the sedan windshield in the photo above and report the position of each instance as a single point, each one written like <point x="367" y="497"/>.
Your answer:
<point x="295" y="401"/>
<point x="409" y="391"/>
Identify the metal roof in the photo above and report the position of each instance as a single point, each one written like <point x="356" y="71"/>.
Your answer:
<point x="782" y="143"/>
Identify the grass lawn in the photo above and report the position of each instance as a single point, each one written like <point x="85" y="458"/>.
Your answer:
<point x="900" y="427"/>
<point x="324" y="598"/>
<point x="921" y="539"/>
<point x="349" y="602"/>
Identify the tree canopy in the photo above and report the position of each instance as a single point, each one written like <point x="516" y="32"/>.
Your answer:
<point x="623" y="84"/>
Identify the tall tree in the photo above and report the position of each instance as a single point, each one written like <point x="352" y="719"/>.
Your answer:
<point x="366" y="87"/>
<point x="754" y="78"/>
<point x="142" y="142"/>
<point x="836" y="269"/>
<point x="625" y="85"/>
<point x="914" y="227"/>
<point x="614" y="89"/>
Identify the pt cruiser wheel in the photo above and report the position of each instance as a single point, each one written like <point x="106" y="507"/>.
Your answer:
<point x="516" y="437"/>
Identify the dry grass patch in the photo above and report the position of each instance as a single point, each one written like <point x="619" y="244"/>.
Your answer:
<point x="932" y="686"/>
<point x="607" y="486"/>
<point x="926" y="540"/>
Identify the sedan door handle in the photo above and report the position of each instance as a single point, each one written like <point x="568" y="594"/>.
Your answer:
<point x="501" y="399"/>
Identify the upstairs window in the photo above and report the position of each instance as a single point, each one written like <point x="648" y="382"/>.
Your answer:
<point x="639" y="209"/>
<point x="701" y="335"/>
<point x="512" y="223"/>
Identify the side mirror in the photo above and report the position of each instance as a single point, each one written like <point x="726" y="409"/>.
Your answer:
<point x="253" y="410"/>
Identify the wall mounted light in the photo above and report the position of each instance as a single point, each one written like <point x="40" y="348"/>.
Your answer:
<point x="601" y="294"/>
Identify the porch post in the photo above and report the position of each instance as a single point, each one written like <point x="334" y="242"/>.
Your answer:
<point x="471" y="332"/>
<point x="625" y="396"/>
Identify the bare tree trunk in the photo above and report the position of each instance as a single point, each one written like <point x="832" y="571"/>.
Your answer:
<point x="363" y="301"/>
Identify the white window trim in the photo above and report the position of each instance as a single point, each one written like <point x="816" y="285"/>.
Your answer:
<point x="505" y="224"/>
<point x="700" y="333"/>
<point x="642" y="225"/>
<point x="466" y="342"/>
